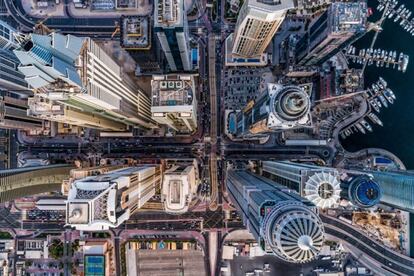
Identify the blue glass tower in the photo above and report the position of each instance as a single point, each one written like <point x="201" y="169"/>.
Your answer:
<point x="397" y="187"/>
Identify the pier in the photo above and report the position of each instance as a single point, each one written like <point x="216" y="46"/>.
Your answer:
<point x="378" y="57"/>
<point x="374" y="39"/>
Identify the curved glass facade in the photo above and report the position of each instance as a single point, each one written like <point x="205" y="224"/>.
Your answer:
<point x="397" y="187"/>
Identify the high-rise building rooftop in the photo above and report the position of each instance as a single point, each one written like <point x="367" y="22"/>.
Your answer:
<point x="332" y="31"/>
<point x="171" y="27"/>
<point x="279" y="107"/>
<point x="324" y="186"/>
<point x="174" y="101"/>
<point x="135" y="32"/>
<point x="178" y="187"/>
<point x="282" y="222"/>
<point x="80" y="77"/>
<point x="105" y="201"/>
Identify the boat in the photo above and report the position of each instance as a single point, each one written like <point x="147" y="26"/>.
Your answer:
<point x="381" y="86"/>
<point x="371" y="56"/>
<point x="404" y="64"/>
<point x="397" y="17"/>
<point x="360" y="128"/>
<point x="378" y="102"/>
<point x="374" y="118"/>
<point x="366" y="125"/>
<point x="374" y="105"/>
<point x="400" y="9"/>
<point x="388" y="13"/>
<point x="343" y="135"/>
<point x="392" y="93"/>
<point x="394" y="58"/>
<point x="400" y="61"/>
<point x="375" y="87"/>
<point x="387" y="65"/>
<point x="383" y="100"/>
<point x="388" y="96"/>
<point x="382" y="82"/>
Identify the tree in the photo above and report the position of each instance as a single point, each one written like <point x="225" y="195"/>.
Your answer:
<point x="56" y="249"/>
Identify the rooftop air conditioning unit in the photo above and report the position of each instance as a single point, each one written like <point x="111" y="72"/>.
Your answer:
<point x="179" y="84"/>
<point x="163" y="84"/>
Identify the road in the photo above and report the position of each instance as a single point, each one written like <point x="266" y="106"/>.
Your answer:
<point x="389" y="258"/>
<point x="213" y="242"/>
<point x="98" y="28"/>
<point x="213" y="121"/>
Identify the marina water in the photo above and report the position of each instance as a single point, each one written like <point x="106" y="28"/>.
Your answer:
<point x="397" y="134"/>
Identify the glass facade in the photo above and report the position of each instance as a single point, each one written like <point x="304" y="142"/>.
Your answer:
<point x="397" y="187"/>
<point x="171" y="35"/>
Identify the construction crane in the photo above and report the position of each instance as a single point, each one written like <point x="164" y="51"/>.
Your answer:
<point x="42" y="29"/>
<point x="117" y="30"/>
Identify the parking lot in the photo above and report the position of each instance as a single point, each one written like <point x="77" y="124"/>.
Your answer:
<point x="240" y="86"/>
<point x="42" y="215"/>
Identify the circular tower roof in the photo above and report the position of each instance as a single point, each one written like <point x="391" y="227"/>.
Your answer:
<point x="293" y="232"/>
<point x="364" y="192"/>
<point x="291" y="103"/>
<point x="323" y="189"/>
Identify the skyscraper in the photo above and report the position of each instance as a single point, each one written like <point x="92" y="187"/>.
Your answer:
<point x="257" y="23"/>
<point x="174" y="102"/>
<point x="76" y="82"/>
<point x="335" y="29"/>
<point x="178" y="187"/>
<point x="398" y="188"/>
<point x="280" y="107"/>
<point x="13" y="115"/>
<point x="100" y="202"/>
<point x="16" y="183"/>
<point x="324" y="186"/>
<point x="282" y="222"/>
<point x="171" y="27"/>
<point x="138" y="40"/>
<point x="7" y="39"/>
<point x="11" y="79"/>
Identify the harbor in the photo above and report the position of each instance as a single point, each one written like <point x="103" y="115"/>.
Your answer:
<point x="379" y="95"/>
<point x="378" y="57"/>
<point x="399" y="14"/>
<point x="398" y="130"/>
